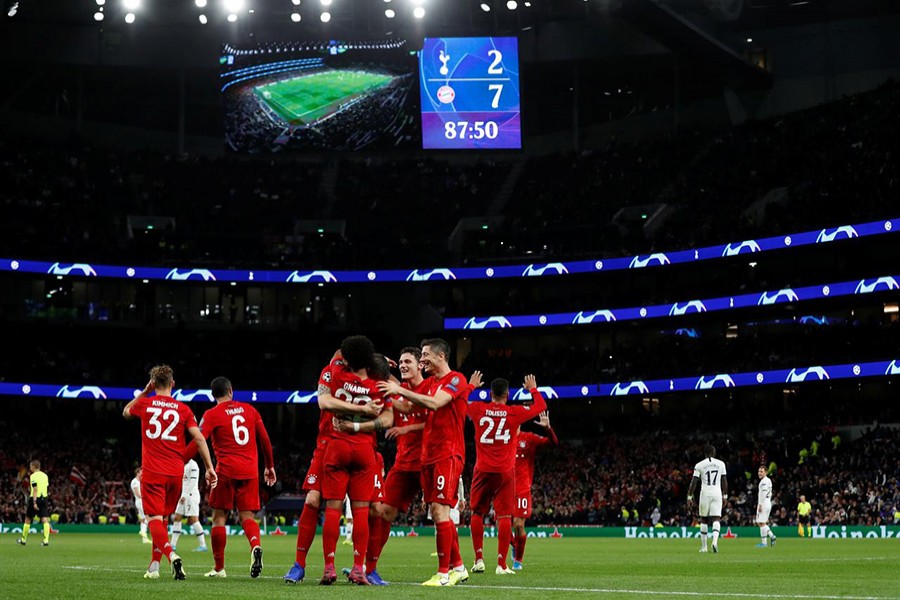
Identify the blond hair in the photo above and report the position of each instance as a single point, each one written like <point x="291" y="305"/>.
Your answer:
<point x="162" y="376"/>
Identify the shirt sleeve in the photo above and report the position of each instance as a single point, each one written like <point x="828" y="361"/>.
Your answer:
<point x="262" y="437"/>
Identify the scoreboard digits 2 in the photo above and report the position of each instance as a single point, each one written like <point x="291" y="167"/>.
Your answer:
<point x="470" y="93"/>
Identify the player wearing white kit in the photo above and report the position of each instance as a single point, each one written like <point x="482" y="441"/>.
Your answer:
<point x="139" y="505"/>
<point x="709" y="474"/>
<point x="348" y="522"/>
<point x="189" y="506"/>
<point x="763" y="508"/>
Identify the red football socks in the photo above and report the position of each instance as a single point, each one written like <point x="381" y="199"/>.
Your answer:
<point x="306" y="532"/>
<point x="373" y="550"/>
<point x="331" y="531"/>
<point x="477" y="527"/>
<point x="160" y="538"/>
<point x="251" y="531"/>
<point x="444" y="535"/>
<point x="455" y="556"/>
<point x="218" y="546"/>
<point x="360" y="535"/>
<point x="504" y="533"/>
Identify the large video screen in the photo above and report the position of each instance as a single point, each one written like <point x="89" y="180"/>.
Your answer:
<point x="315" y="96"/>
<point x="469" y="90"/>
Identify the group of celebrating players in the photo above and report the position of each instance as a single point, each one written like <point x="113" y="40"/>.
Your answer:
<point x="424" y="412"/>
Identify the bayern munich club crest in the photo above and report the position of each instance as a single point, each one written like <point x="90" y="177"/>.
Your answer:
<point x="311" y="480"/>
<point x="446" y="94"/>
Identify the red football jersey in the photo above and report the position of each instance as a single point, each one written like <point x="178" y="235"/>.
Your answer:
<point x="346" y="386"/>
<point x="495" y="431"/>
<point x="444" y="428"/>
<point x="409" y="446"/>
<point x="164" y="422"/>
<point x="527" y="445"/>
<point x="234" y="428"/>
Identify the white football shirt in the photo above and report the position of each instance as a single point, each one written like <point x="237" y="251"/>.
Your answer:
<point x="710" y="471"/>
<point x="765" y="491"/>
<point x="191" y="477"/>
<point x="136" y="488"/>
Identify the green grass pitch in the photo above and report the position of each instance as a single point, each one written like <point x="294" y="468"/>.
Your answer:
<point x="111" y="567"/>
<point x="311" y="97"/>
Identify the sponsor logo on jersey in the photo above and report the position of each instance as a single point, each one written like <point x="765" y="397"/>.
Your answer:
<point x="692" y="306"/>
<point x="191" y="395"/>
<point x="746" y="247"/>
<point x="650" y="260"/>
<point x="784" y="295"/>
<point x="867" y="286"/>
<point x="798" y="375"/>
<point x="546" y="391"/>
<point x="444" y="274"/>
<point x="80" y="392"/>
<point x="548" y="269"/>
<point x="308" y="276"/>
<point x="634" y="387"/>
<point x="193" y="274"/>
<point x="583" y="318"/>
<point x="715" y="381"/>
<point x="498" y="322"/>
<point x="77" y="268"/>
<point x="829" y="235"/>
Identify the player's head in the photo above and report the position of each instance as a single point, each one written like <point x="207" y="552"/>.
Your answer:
<point x="381" y="370"/>
<point x="435" y="354"/>
<point x="762" y="471"/>
<point x="358" y="352"/>
<point x="409" y="362"/>
<point x="500" y="390"/>
<point x="35" y="465"/>
<point x="162" y="377"/>
<point x="802" y="498"/>
<point x="137" y="472"/>
<point x="709" y="451"/>
<point x="221" y="389"/>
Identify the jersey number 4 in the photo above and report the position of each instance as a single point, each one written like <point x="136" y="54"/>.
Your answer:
<point x="501" y="434"/>
<point x="168" y="416"/>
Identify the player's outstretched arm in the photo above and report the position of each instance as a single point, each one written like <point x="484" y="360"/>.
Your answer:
<point x="211" y="477"/>
<point x="384" y="421"/>
<point x="328" y="402"/>
<point x="544" y="421"/>
<point x="395" y="432"/>
<point x="147" y="391"/>
<point x="439" y="400"/>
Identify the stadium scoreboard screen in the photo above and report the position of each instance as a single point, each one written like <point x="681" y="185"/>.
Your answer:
<point x="469" y="89"/>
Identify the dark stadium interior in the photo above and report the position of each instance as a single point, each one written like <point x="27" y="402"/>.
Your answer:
<point x="647" y="127"/>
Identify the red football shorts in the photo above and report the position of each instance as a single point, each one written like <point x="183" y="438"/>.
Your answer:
<point x="401" y="488"/>
<point x="313" y="480"/>
<point x="242" y="494"/>
<point x="160" y="493"/>
<point x="440" y="481"/>
<point x="499" y="488"/>
<point x="349" y="469"/>
<point x="523" y="505"/>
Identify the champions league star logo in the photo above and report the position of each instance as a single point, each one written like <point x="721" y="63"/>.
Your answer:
<point x="624" y="389"/>
<point x="716" y="381"/>
<point x="546" y="391"/>
<point x="488" y="323"/>
<point x="298" y="398"/>
<point x="195" y="274"/>
<point x="82" y="268"/>
<point x="307" y="277"/>
<point x="77" y="392"/>
<point x="190" y="396"/>
<point x="444" y="274"/>
<point x="444" y="58"/>
<point x="799" y="375"/>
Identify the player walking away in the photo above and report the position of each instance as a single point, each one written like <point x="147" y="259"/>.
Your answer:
<point x="403" y="482"/>
<point x="189" y="506"/>
<point x="236" y="430"/>
<point x="709" y="474"/>
<point x="494" y="478"/>
<point x="139" y="505"/>
<point x="349" y="460"/>
<point x="527" y="445"/>
<point x="164" y="421"/>
<point x="443" y="450"/>
<point x="804" y="510"/>
<point x="37" y="503"/>
<point x="763" y="508"/>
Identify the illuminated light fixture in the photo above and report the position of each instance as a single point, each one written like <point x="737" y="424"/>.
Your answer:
<point x="387" y="1"/>
<point x="512" y="5"/>
<point x="326" y="2"/>
<point x="485" y="7"/>
<point x="131" y="5"/>
<point x="418" y="12"/>
<point x="325" y="17"/>
<point x="129" y="18"/>
<point x="390" y="14"/>
<point x="13" y="9"/>
<point x="233" y="6"/>
<point x="203" y="20"/>
<point x="749" y="40"/>
<point x="98" y="16"/>
<point x="232" y="18"/>
<point x="200" y="3"/>
<point x="295" y="2"/>
<point x="295" y="17"/>
<point x="100" y="2"/>
<point x="528" y="5"/>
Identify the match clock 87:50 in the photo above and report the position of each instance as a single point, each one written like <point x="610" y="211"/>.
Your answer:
<point x="475" y="130"/>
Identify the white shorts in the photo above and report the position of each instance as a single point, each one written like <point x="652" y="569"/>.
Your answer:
<point x="454" y="516"/>
<point x="762" y="516"/>
<point x="139" y="507"/>
<point x="710" y="506"/>
<point x="189" y="506"/>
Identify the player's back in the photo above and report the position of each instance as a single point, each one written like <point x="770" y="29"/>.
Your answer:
<point x="527" y="444"/>
<point x="495" y="431"/>
<point x="349" y="387"/>
<point x="231" y="427"/>
<point x="710" y="471"/>
<point x="164" y="422"/>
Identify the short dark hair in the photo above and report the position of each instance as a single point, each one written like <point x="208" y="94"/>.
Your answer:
<point x="709" y="450"/>
<point x="220" y="386"/>
<point x="438" y="345"/>
<point x="499" y="387"/>
<point x="417" y="352"/>
<point x="359" y="352"/>
<point x="381" y="370"/>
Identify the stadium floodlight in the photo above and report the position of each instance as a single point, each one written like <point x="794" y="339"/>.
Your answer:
<point x="100" y="2"/>
<point x="419" y="12"/>
<point x="295" y="2"/>
<point x="325" y="17"/>
<point x="387" y="1"/>
<point x="200" y="3"/>
<point x="512" y="5"/>
<point x="98" y="16"/>
<point x="233" y="6"/>
<point x="390" y="14"/>
<point x="131" y="5"/>
<point x="129" y="18"/>
<point x="232" y="18"/>
<point x="485" y="7"/>
<point x="325" y="2"/>
<point x="295" y="17"/>
<point x="203" y="20"/>
<point x="13" y="9"/>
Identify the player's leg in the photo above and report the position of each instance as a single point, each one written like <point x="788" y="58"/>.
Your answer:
<point x="199" y="533"/>
<point x="177" y="519"/>
<point x="334" y="487"/>
<point x="400" y="489"/>
<point x="716" y="528"/>
<point x="481" y="496"/>
<point x="503" y="508"/>
<point x="704" y="523"/>
<point x="46" y="523"/>
<point x="217" y="535"/>
<point x="520" y="537"/>
<point x="26" y="528"/>
<point x="246" y="498"/>
<point x="142" y="519"/>
<point x="348" y="522"/>
<point x="331" y="531"/>
<point x="361" y="489"/>
<point x="309" y="517"/>
<point x="800" y="527"/>
<point x="436" y="491"/>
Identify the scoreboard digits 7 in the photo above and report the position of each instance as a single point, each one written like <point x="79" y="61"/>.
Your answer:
<point x="470" y="93"/>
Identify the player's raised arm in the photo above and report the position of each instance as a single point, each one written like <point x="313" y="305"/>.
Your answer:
<point x="544" y="421"/>
<point x="539" y="403"/>
<point x="147" y="391"/>
<point x="200" y="441"/>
